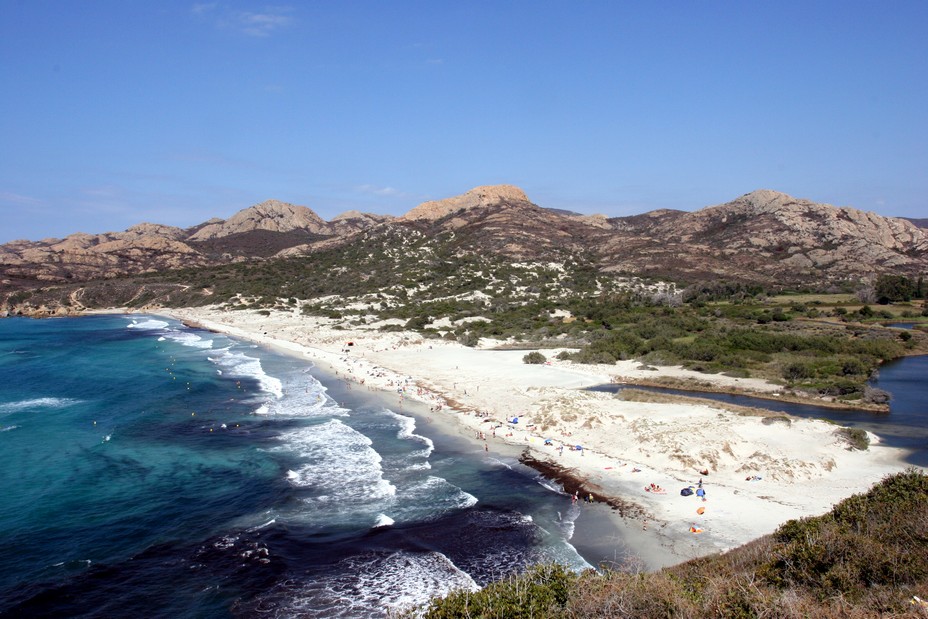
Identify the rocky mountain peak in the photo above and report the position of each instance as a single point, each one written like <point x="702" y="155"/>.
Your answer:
<point x="765" y="200"/>
<point x="479" y="197"/>
<point x="349" y="215"/>
<point x="270" y="215"/>
<point x="149" y="229"/>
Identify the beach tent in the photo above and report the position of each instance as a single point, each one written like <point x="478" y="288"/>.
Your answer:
<point x="686" y="492"/>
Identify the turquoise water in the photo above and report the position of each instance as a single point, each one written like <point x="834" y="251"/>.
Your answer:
<point x="148" y="468"/>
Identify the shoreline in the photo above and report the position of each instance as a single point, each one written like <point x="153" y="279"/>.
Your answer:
<point x="759" y="474"/>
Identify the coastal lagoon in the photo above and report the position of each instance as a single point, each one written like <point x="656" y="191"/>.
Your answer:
<point x="904" y="427"/>
<point x="153" y="469"/>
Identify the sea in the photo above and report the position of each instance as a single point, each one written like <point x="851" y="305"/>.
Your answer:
<point x="152" y="469"/>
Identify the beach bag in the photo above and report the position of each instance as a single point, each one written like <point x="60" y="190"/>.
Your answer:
<point x="686" y="492"/>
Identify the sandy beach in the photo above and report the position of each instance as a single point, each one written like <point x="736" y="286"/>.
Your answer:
<point x="755" y="471"/>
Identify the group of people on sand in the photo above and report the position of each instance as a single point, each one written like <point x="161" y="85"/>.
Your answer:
<point x="576" y="497"/>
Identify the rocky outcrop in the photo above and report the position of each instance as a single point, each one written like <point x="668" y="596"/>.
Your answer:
<point x="351" y="222"/>
<point x="258" y="231"/>
<point x="479" y="197"/>
<point x="768" y="236"/>
<point x="272" y="215"/>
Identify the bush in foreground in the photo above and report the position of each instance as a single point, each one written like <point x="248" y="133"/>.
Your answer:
<point x="868" y="557"/>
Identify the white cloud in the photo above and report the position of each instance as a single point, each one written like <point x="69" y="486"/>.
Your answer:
<point x="203" y="7"/>
<point x="16" y="198"/>
<point x="261" y="24"/>
<point x="252" y="23"/>
<point x="379" y="191"/>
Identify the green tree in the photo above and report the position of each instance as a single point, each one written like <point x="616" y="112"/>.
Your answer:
<point x="890" y="288"/>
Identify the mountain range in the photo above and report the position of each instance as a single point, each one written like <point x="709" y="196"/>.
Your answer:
<point x="762" y="237"/>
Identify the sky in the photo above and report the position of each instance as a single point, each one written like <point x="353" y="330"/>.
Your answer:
<point x="117" y="112"/>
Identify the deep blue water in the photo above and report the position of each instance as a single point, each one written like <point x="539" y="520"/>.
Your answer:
<point x="154" y="470"/>
<point x="905" y="426"/>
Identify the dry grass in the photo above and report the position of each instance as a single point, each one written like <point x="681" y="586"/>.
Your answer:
<point x="817" y="299"/>
<point x="868" y="557"/>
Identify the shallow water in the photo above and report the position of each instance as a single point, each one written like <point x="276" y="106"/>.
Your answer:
<point x="149" y="468"/>
<point x="905" y="426"/>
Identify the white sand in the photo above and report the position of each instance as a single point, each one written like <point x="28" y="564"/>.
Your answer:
<point x="803" y="466"/>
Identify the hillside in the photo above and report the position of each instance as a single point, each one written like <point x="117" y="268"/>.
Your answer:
<point x="763" y="238"/>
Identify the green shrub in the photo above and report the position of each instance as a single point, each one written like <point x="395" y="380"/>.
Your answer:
<point x="534" y="358"/>
<point x="857" y="438"/>
<point x="541" y="592"/>
<point x="798" y="371"/>
<point x="469" y="339"/>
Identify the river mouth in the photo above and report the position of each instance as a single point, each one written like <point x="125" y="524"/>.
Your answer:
<point x="904" y="427"/>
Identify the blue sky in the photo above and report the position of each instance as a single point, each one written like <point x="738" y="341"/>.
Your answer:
<point x="118" y="112"/>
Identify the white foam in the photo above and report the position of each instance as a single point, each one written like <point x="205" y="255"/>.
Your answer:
<point x="187" y="338"/>
<point x="499" y="462"/>
<point x="550" y="485"/>
<point x="567" y="523"/>
<point x="407" y="432"/>
<point x="384" y="520"/>
<point x="378" y="583"/>
<point x="8" y="428"/>
<point x="417" y="460"/>
<point x="241" y="365"/>
<point x="303" y="397"/>
<point x="339" y="464"/>
<point x="263" y="525"/>
<point x="430" y="498"/>
<point x="36" y="403"/>
<point x="150" y="325"/>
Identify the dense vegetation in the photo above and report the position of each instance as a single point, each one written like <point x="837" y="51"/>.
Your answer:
<point x="868" y="557"/>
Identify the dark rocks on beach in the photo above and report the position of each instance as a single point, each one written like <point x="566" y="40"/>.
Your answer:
<point x="573" y="483"/>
